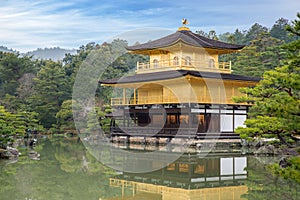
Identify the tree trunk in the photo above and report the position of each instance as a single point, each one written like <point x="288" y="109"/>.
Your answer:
<point x="282" y="140"/>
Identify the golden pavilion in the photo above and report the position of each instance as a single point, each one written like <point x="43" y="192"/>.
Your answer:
<point x="183" y="90"/>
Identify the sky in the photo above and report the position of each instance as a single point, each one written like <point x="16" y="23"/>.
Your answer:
<point x="26" y="25"/>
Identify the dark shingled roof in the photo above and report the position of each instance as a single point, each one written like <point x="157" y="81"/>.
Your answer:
<point x="187" y="37"/>
<point x="176" y="74"/>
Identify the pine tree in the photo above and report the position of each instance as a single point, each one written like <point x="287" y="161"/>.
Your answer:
<point x="52" y="87"/>
<point x="11" y="126"/>
<point x="276" y="108"/>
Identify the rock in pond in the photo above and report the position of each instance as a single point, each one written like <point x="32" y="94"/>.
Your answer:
<point x="9" y="153"/>
<point x="33" y="155"/>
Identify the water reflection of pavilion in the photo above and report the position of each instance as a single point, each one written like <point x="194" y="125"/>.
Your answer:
<point x="190" y="177"/>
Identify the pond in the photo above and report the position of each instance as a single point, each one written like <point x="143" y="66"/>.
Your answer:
<point x="66" y="170"/>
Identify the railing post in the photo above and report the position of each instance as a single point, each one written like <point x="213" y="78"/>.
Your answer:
<point x="230" y="65"/>
<point x="137" y="65"/>
<point x="134" y="96"/>
<point x="124" y="96"/>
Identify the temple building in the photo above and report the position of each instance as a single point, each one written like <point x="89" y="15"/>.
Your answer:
<point x="183" y="90"/>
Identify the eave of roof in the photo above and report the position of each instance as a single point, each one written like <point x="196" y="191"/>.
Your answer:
<point x="187" y="37"/>
<point x="165" y="75"/>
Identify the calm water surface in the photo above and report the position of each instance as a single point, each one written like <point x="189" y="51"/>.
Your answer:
<point x="67" y="171"/>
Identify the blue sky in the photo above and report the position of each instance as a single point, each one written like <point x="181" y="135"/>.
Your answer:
<point x="29" y="24"/>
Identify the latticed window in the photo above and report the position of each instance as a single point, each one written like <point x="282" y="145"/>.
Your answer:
<point x="176" y="61"/>
<point x="188" y="61"/>
<point x="155" y="63"/>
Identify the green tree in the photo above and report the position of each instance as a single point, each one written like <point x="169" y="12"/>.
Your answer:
<point x="213" y="35"/>
<point x="276" y="108"/>
<point x="104" y="121"/>
<point x="12" y="68"/>
<point x="239" y="36"/>
<point x="11" y="125"/>
<point x="97" y="119"/>
<point x="52" y="87"/>
<point x="202" y="33"/>
<point x="21" y="100"/>
<point x="73" y="62"/>
<point x="255" y="30"/>
<point x="93" y="126"/>
<point x="261" y="55"/>
<point x="65" y="119"/>
<point x="294" y="28"/>
<point x="279" y="31"/>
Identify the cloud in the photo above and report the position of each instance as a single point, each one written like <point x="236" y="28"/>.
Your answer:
<point x="29" y="24"/>
<point x="32" y="25"/>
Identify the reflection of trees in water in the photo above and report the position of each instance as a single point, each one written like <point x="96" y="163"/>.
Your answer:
<point x="73" y="157"/>
<point x="54" y="177"/>
<point x="69" y="154"/>
<point x="263" y="185"/>
<point x="14" y="178"/>
<point x="7" y="181"/>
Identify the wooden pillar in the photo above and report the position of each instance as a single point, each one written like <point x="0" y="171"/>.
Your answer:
<point x="124" y="96"/>
<point x="123" y="117"/>
<point x="219" y="93"/>
<point x="190" y="170"/>
<point x="134" y="118"/>
<point x="181" y="54"/>
<point x="233" y="166"/>
<point x="191" y="93"/>
<point x="123" y="189"/>
<point x="133" y="190"/>
<point x="127" y="140"/>
<point x="190" y="118"/>
<point x="144" y="141"/>
<point x="134" y="96"/>
<point x="232" y="91"/>
<point x="204" y="93"/>
<point x="233" y="116"/>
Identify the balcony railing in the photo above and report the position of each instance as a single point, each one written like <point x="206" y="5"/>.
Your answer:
<point x="168" y="100"/>
<point x="192" y="65"/>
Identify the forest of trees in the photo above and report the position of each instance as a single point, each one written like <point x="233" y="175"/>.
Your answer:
<point x="37" y="94"/>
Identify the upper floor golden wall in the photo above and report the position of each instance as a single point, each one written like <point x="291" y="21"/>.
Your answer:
<point x="181" y="56"/>
<point x="181" y="90"/>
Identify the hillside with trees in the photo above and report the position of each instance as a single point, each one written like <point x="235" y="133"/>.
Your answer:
<point x="55" y="53"/>
<point x="5" y="49"/>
